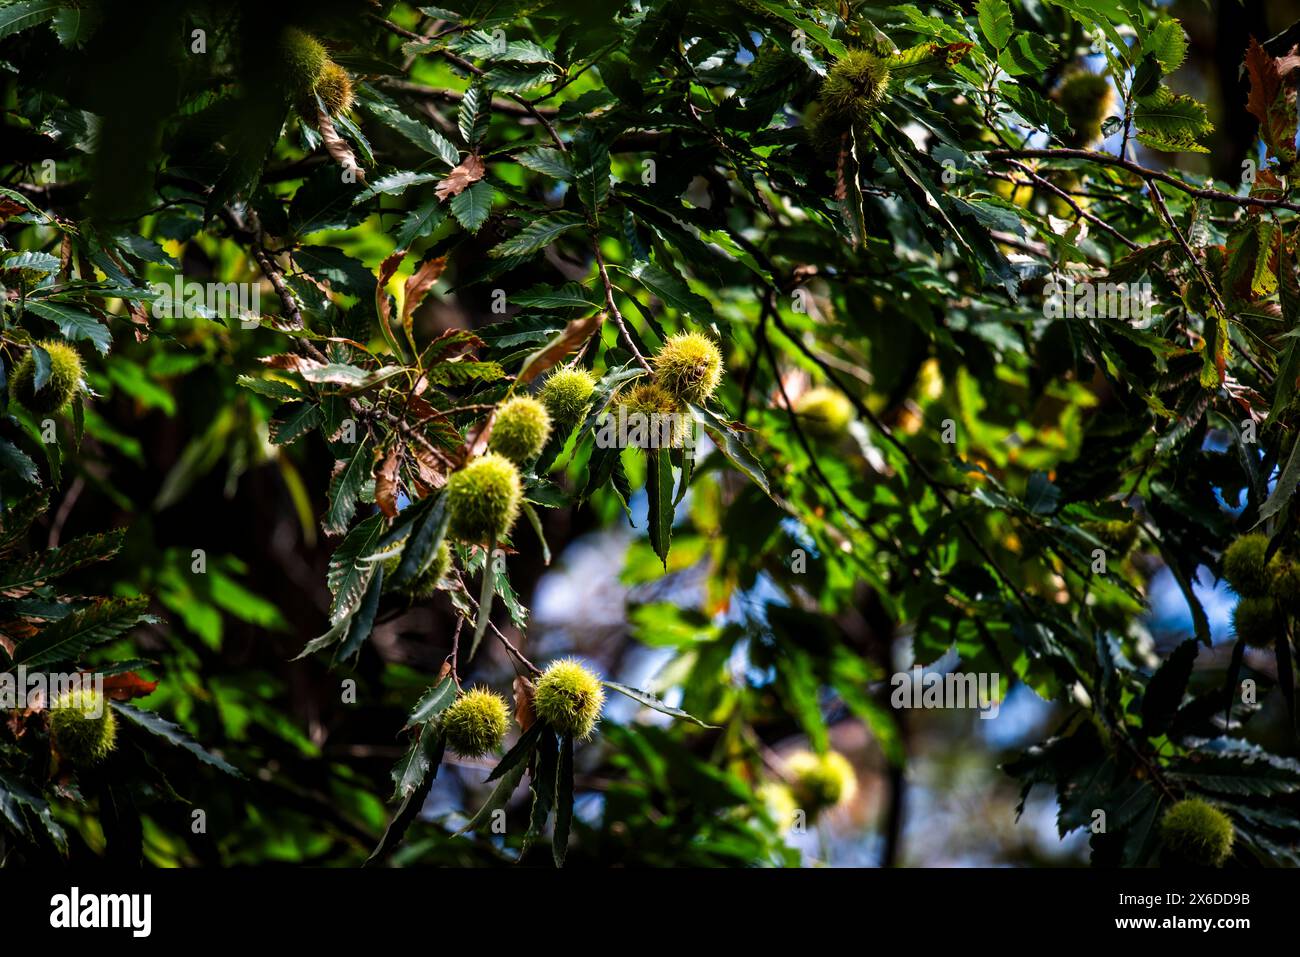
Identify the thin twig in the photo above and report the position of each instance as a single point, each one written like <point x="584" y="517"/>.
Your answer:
<point x="1079" y="210"/>
<point x="1137" y="169"/>
<point x="248" y="230"/>
<point x="454" y="657"/>
<point x="515" y="652"/>
<point x="573" y="76"/>
<point x="420" y="91"/>
<point x="405" y="429"/>
<point x="613" y="306"/>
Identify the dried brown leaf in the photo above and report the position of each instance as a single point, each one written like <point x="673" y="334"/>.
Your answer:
<point x="123" y="687"/>
<point x="291" y="362"/>
<point x="337" y="146"/>
<point x="469" y="172"/>
<point x="419" y="408"/>
<point x="432" y="471"/>
<point x="383" y="305"/>
<point x="1272" y="99"/>
<point x="476" y="439"/>
<point x="140" y="317"/>
<point x="421" y="281"/>
<point x="569" y="339"/>
<point x="65" y="260"/>
<point x="525" y="713"/>
<point x="386" y="483"/>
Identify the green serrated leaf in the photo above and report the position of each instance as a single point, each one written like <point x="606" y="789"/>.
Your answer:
<point x="16" y="17"/>
<point x="345" y="488"/>
<point x="14" y="796"/>
<point x="472" y="117"/>
<point x="729" y="443"/>
<point x="349" y="573"/>
<point x="156" y="724"/>
<point x="1285" y="487"/>
<point x="659" y="498"/>
<point x="517" y="756"/>
<point x="421" y="222"/>
<point x="432" y="703"/>
<point x="672" y="290"/>
<point x="19" y="463"/>
<point x="1028" y="54"/>
<point x="543" y="787"/>
<point x="563" y="801"/>
<point x="1167" y="43"/>
<point x="482" y="45"/>
<point x="293" y="421"/>
<point x="1171" y="122"/>
<point x="472" y="206"/>
<point x="570" y="295"/>
<point x="424" y="755"/>
<point x="395" y="184"/>
<point x="65" y="639"/>
<point x="547" y="161"/>
<point x="73" y="323"/>
<point x="26" y="573"/>
<point x="271" y="388"/>
<point x="591" y="172"/>
<point x="425" y="137"/>
<point x="516" y="79"/>
<point x="652" y="702"/>
<point x="537" y="235"/>
<point x="427" y="533"/>
<point x="995" y="21"/>
<point x="507" y="782"/>
<point x="18" y="518"/>
<point x="360" y="623"/>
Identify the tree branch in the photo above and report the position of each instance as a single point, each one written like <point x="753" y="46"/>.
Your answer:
<point x="1106" y="159"/>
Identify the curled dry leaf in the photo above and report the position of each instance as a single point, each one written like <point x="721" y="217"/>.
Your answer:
<point x="65" y="260"/>
<point x="449" y="344"/>
<point x="421" y="281"/>
<point x="1272" y="98"/>
<point x="9" y="208"/>
<point x="291" y="362"/>
<point x="337" y="146"/>
<point x="569" y="339"/>
<point x="20" y="629"/>
<point x="418" y="408"/>
<point x="431" y="470"/>
<point x="525" y="714"/>
<point x="140" y="318"/>
<point x="843" y="168"/>
<point x="129" y="685"/>
<point x="383" y="304"/>
<point x="469" y="172"/>
<point x="386" y="483"/>
<point x="476" y="439"/>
